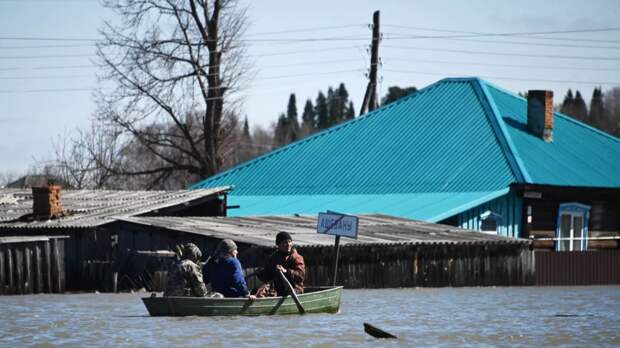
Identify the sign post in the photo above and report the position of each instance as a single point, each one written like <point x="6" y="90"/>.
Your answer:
<point x="338" y="225"/>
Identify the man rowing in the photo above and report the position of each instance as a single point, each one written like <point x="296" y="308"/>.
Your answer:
<point x="286" y="260"/>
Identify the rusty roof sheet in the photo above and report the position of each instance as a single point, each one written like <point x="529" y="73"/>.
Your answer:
<point x="373" y="229"/>
<point x="89" y="208"/>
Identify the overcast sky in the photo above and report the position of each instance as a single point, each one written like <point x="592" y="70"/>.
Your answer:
<point x="46" y="92"/>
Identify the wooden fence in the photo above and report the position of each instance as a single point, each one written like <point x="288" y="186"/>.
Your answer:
<point x="577" y="267"/>
<point x="424" y="265"/>
<point x="29" y="266"/>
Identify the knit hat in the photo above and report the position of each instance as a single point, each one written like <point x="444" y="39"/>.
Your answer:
<point x="283" y="236"/>
<point x="226" y="246"/>
<point x="191" y="251"/>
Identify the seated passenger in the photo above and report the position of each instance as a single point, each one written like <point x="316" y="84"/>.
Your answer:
<point x="224" y="272"/>
<point x="286" y="260"/>
<point x="185" y="276"/>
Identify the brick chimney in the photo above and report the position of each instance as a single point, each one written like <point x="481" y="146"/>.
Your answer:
<point x="46" y="202"/>
<point x="540" y="114"/>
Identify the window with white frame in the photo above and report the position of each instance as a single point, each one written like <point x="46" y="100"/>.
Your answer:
<point x="572" y="227"/>
<point x="489" y="222"/>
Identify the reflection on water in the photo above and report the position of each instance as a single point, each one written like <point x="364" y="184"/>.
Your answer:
<point x="528" y="316"/>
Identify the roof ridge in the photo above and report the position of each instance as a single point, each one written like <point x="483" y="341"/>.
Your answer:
<point x="586" y="126"/>
<point x="499" y="128"/>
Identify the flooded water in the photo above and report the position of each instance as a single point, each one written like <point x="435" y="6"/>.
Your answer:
<point x="527" y="316"/>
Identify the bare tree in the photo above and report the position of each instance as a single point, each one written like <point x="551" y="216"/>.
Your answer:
<point x="81" y="161"/>
<point x="172" y="65"/>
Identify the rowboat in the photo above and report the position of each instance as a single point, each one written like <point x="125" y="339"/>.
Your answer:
<point x="313" y="300"/>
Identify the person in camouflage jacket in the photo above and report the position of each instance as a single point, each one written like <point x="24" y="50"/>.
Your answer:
<point x="185" y="275"/>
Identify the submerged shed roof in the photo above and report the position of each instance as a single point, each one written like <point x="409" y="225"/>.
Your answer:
<point x="88" y="208"/>
<point x="458" y="137"/>
<point x="373" y="229"/>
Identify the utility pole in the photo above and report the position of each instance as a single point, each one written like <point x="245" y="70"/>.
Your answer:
<point x="370" y="97"/>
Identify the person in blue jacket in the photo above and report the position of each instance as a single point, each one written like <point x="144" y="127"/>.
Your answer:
<point x="223" y="271"/>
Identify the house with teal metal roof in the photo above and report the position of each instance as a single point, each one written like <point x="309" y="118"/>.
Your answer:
<point x="461" y="151"/>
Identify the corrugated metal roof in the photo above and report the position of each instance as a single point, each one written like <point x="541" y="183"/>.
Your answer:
<point x="28" y="239"/>
<point x="458" y="137"/>
<point x="373" y="229"/>
<point x="88" y="208"/>
<point x="439" y="139"/>
<point x="578" y="156"/>
<point x="431" y="207"/>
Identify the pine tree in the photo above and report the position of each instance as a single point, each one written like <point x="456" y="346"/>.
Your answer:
<point x="246" y="129"/>
<point x="343" y="100"/>
<point x="581" y="110"/>
<point x="246" y="150"/>
<point x="332" y="108"/>
<point x="322" y="114"/>
<point x="349" y="113"/>
<point x="309" y="116"/>
<point x="291" y="119"/>
<point x="394" y="93"/>
<point x="596" y="117"/>
<point x="567" y="107"/>
<point x="281" y="131"/>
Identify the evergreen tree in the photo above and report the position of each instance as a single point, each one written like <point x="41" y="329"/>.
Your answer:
<point x="581" y="110"/>
<point x="322" y="114"/>
<point x="246" y="129"/>
<point x="349" y="113"/>
<point x="333" y="108"/>
<point x="309" y="116"/>
<point x="567" y="107"/>
<point x="394" y="93"/>
<point x="596" y="117"/>
<point x="343" y="100"/>
<point x="246" y="151"/>
<point x="291" y="119"/>
<point x="281" y="131"/>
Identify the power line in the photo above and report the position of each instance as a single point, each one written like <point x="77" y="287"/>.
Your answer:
<point x="509" y="78"/>
<point x="301" y="30"/>
<point x="263" y="78"/>
<point x="44" y="77"/>
<point x="529" y="66"/>
<point x="501" y="53"/>
<point x="278" y="66"/>
<point x="513" y="42"/>
<point x="48" y="56"/>
<point x="254" y="55"/>
<point x="528" y="35"/>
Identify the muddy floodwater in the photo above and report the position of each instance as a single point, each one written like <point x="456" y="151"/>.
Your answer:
<point x="449" y="317"/>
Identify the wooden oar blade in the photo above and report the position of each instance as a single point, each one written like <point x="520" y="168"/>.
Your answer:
<point x="291" y="291"/>
<point x="376" y="332"/>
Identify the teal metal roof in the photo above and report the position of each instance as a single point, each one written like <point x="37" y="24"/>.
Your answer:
<point x="435" y="152"/>
<point x="438" y="140"/>
<point x="431" y="207"/>
<point x="578" y="156"/>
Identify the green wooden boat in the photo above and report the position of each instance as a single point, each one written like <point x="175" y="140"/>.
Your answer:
<point x="314" y="300"/>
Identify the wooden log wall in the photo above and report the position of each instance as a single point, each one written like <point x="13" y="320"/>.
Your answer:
<point x="604" y="214"/>
<point x="32" y="267"/>
<point x="428" y="265"/>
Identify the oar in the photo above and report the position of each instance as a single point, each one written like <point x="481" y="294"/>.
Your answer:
<point x="376" y="332"/>
<point x="292" y="292"/>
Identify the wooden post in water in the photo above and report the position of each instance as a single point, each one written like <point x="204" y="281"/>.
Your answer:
<point x="337" y="247"/>
<point x="2" y="277"/>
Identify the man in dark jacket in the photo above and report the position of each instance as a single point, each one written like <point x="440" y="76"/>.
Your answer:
<point x="224" y="272"/>
<point x="286" y="260"/>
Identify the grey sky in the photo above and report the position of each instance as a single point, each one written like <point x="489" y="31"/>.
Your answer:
<point x="39" y="100"/>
